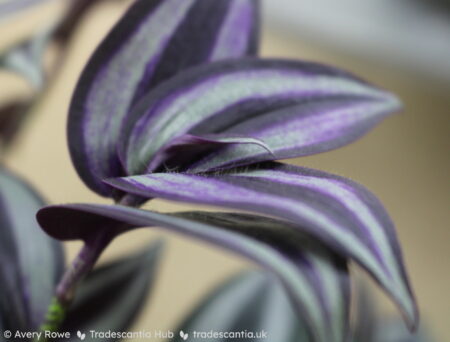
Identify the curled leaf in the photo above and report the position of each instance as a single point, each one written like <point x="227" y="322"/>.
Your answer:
<point x="339" y="212"/>
<point x="315" y="278"/>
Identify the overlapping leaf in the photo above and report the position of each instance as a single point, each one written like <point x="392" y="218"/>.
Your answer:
<point x="253" y="302"/>
<point x="295" y="108"/>
<point x="339" y="212"/>
<point x="153" y="41"/>
<point x="315" y="278"/>
<point x="111" y="296"/>
<point x="30" y="261"/>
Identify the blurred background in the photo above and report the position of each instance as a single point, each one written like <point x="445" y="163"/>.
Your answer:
<point x="402" y="45"/>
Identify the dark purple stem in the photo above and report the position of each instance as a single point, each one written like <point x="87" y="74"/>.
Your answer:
<point x="65" y="291"/>
<point x="86" y="259"/>
<point x="80" y="267"/>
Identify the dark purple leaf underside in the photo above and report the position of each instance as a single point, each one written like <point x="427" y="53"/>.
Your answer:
<point x="315" y="279"/>
<point x="153" y="41"/>
<point x="337" y="211"/>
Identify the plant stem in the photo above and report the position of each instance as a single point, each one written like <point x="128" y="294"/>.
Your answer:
<point x="65" y="291"/>
<point x="80" y="267"/>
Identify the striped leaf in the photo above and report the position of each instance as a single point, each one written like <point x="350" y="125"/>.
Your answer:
<point x="30" y="261"/>
<point x="153" y="41"/>
<point x="295" y="108"/>
<point x="339" y="212"/>
<point x="253" y="302"/>
<point x="315" y="278"/>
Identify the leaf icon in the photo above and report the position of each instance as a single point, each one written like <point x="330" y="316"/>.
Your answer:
<point x="184" y="335"/>
<point x="80" y="335"/>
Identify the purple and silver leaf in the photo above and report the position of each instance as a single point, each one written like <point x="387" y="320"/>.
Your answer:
<point x="339" y="212"/>
<point x="315" y="278"/>
<point x="300" y="130"/>
<point x="152" y="42"/>
<point x="295" y="108"/>
<point x="30" y="261"/>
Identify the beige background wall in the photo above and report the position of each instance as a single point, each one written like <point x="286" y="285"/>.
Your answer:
<point x="404" y="161"/>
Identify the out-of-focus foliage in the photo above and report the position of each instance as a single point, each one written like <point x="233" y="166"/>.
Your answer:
<point x="30" y="262"/>
<point x="255" y="302"/>
<point x="112" y="296"/>
<point x="27" y="57"/>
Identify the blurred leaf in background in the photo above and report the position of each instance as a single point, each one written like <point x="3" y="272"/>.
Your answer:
<point x="411" y="35"/>
<point x="113" y="295"/>
<point x="30" y="261"/>
<point x="252" y="301"/>
<point x="31" y="264"/>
